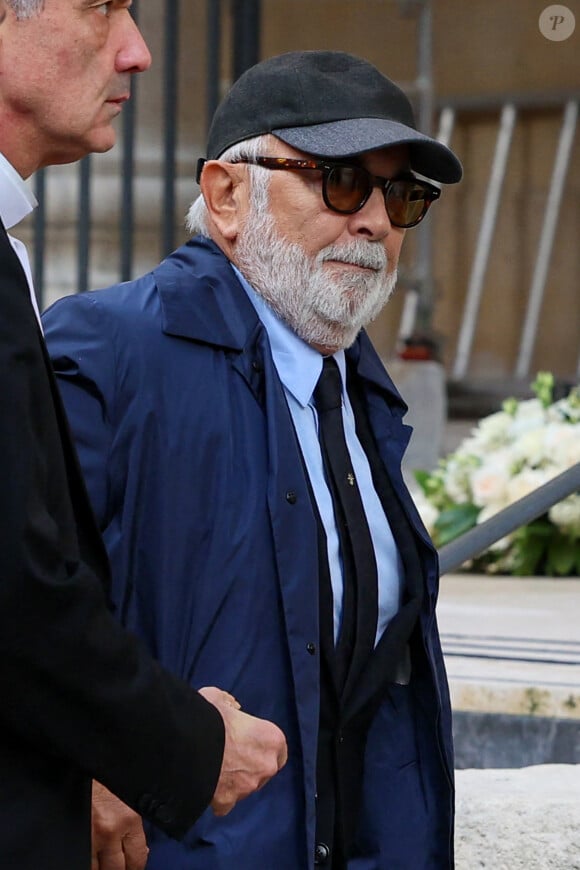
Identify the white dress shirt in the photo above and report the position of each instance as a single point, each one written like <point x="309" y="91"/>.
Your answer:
<point x="16" y="202"/>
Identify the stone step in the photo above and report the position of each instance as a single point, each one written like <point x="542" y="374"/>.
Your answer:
<point x="512" y="651"/>
<point x="512" y="645"/>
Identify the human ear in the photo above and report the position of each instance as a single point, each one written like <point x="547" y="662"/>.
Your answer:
<point x="225" y="191"/>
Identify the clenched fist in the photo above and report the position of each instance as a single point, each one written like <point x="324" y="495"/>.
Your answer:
<point x="255" y="750"/>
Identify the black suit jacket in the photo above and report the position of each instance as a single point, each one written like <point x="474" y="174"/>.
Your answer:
<point x="79" y="698"/>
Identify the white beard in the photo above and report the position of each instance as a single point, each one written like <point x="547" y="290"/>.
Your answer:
<point x="326" y="306"/>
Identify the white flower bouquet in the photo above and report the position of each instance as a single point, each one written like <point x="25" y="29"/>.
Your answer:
<point x="508" y="455"/>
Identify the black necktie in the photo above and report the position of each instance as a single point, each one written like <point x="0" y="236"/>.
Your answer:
<point x="359" y="608"/>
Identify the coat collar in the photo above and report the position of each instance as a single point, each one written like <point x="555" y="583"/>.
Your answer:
<point x="201" y="299"/>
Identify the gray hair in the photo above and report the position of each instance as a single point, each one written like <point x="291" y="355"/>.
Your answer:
<point x="197" y="216"/>
<point x="26" y="8"/>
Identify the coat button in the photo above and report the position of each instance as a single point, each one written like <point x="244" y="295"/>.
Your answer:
<point x="311" y="648"/>
<point x="321" y="854"/>
<point x="257" y="365"/>
<point x="291" y="497"/>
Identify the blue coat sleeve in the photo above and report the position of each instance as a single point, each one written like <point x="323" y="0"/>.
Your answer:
<point x="83" y="355"/>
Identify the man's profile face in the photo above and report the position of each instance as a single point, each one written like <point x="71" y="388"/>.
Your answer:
<point x="64" y="76"/>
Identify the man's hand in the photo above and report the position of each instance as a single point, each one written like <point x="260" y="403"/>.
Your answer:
<point x="255" y="750"/>
<point x="118" y="836"/>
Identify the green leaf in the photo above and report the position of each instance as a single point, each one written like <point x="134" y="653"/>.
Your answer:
<point x="455" y="521"/>
<point x="510" y="406"/>
<point x="530" y="547"/>
<point x="562" y="554"/>
<point x="540" y="528"/>
<point x="529" y="553"/>
<point x="543" y="387"/>
<point x="423" y="478"/>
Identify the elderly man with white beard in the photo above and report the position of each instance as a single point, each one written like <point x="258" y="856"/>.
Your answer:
<point x="242" y="446"/>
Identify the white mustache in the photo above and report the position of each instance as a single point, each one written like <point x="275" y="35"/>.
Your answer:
<point x="364" y="254"/>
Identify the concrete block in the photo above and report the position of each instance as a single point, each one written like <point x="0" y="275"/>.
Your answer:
<point x="496" y="740"/>
<point x="527" y="819"/>
<point x="422" y="386"/>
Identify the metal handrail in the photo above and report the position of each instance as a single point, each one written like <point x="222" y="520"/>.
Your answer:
<point x="477" y="540"/>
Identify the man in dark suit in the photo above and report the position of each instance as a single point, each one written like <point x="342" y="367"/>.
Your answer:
<point x="80" y="697"/>
<point x="231" y="413"/>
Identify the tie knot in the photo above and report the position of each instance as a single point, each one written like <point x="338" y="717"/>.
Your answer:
<point x="328" y="390"/>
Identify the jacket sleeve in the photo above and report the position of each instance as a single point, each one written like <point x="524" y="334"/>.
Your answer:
<point x="73" y="683"/>
<point x="82" y="349"/>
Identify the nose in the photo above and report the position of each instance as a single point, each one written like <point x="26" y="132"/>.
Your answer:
<point x="372" y="220"/>
<point x="133" y="55"/>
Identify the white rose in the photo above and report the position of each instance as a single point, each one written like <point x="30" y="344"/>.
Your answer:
<point x="489" y="482"/>
<point x="457" y="477"/>
<point x="530" y="448"/>
<point x="565" y="410"/>
<point x="492" y="432"/>
<point x="527" y="481"/>
<point x="562" y="443"/>
<point x="529" y="415"/>
<point x="566" y="514"/>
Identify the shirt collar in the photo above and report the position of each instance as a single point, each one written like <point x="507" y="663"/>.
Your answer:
<point x="298" y="365"/>
<point x="16" y="198"/>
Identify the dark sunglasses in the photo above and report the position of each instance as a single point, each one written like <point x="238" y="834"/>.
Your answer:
<point x="347" y="187"/>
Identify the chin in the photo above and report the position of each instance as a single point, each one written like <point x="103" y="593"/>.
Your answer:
<point x="103" y="141"/>
<point x="99" y="138"/>
<point x="76" y="150"/>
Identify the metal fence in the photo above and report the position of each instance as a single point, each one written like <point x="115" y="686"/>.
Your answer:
<point x="508" y="111"/>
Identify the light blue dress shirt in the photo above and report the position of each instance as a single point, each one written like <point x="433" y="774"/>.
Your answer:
<point x="299" y="367"/>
